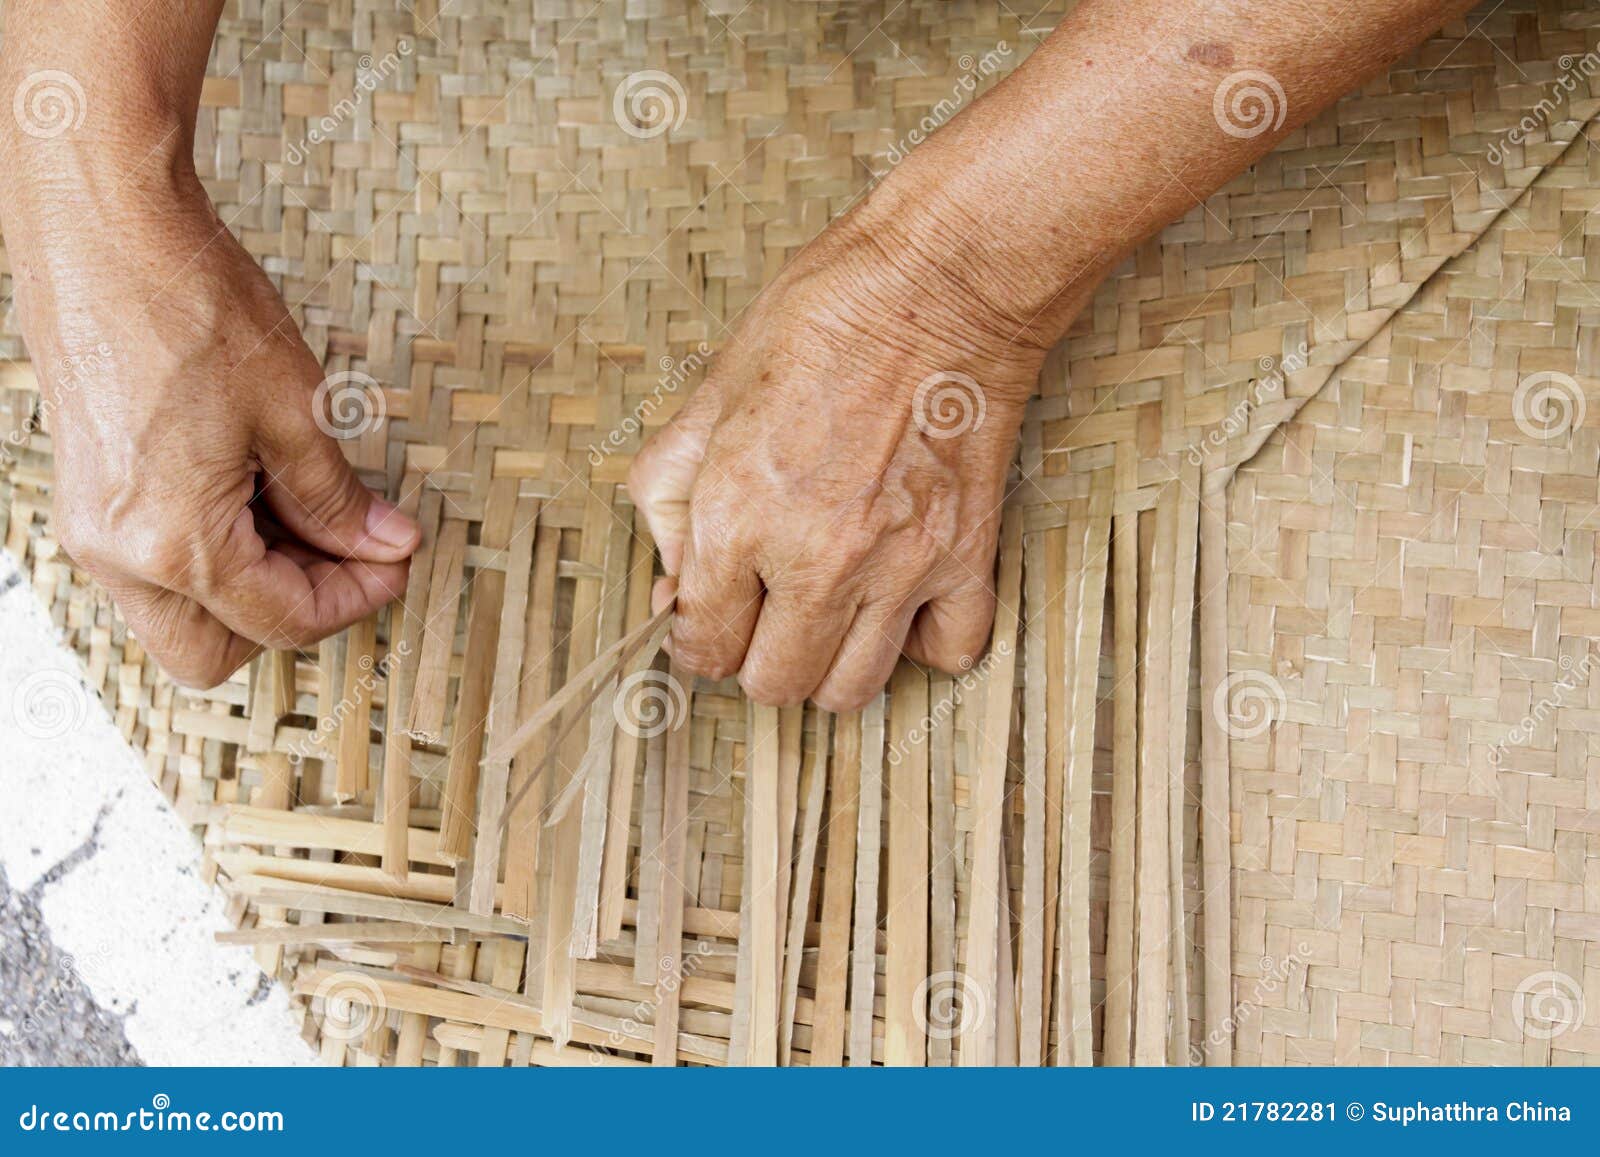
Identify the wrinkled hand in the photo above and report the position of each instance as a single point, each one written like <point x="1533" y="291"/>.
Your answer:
<point x="830" y="496"/>
<point x="192" y="477"/>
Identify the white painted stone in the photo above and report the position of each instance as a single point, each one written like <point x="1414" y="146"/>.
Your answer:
<point x="133" y="912"/>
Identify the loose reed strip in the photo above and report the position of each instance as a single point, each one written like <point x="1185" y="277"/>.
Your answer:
<point x="833" y="948"/>
<point x="619" y="809"/>
<point x="430" y="694"/>
<point x="674" y="866"/>
<point x="495" y="778"/>
<point x="1031" y="1005"/>
<point x="374" y="932"/>
<point x="405" y="647"/>
<point x="567" y="759"/>
<point x="1088" y="577"/>
<point x="520" y="828"/>
<point x="650" y="855"/>
<point x="765" y="904"/>
<point x="1154" y="882"/>
<point x="1216" y="830"/>
<point x="459" y="802"/>
<point x="906" y="896"/>
<point x="353" y="773"/>
<point x="814" y="780"/>
<point x="946" y="848"/>
<point x="991" y="720"/>
<point x="1117" y="1033"/>
<point x="869" y="844"/>
<point x="1186" y="500"/>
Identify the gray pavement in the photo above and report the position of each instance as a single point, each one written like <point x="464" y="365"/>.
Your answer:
<point x="47" y="1016"/>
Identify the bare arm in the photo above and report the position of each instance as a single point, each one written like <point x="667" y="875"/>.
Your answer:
<point x="195" y="478"/>
<point x="831" y="495"/>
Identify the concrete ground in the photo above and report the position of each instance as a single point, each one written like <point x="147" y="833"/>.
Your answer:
<point x="107" y="955"/>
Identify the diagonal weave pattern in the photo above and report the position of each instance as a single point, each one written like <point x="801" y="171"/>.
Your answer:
<point x="1332" y="824"/>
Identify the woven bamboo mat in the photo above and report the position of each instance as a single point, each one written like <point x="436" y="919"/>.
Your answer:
<point x="1281" y="752"/>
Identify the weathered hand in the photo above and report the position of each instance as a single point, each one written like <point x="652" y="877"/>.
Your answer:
<point x="193" y="478"/>
<point x="830" y="496"/>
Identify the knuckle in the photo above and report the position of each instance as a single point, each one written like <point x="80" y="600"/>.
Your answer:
<point x="697" y="659"/>
<point x="841" y="701"/>
<point x="199" y="672"/>
<point x="769" y="689"/>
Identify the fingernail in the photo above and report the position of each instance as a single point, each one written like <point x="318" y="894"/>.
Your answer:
<point x="387" y="525"/>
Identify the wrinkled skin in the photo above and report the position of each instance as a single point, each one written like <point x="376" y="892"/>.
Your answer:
<point x="815" y="528"/>
<point x="175" y="386"/>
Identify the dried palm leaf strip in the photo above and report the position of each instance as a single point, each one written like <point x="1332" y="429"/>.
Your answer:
<point x="906" y="895"/>
<point x="838" y="879"/>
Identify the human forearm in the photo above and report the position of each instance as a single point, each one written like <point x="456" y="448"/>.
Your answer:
<point x="105" y="106"/>
<point x="1128" y="115"/>
<point x="184" y="405"/>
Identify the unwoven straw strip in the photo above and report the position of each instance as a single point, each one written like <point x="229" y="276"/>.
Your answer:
<point x="1046" y="859"/>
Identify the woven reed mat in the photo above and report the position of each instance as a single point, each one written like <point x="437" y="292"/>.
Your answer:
<point x="1287" y="761"/>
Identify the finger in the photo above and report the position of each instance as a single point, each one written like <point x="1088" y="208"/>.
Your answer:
<point x="794" y="645"/>
<point x="316" y="494"/>
<point x="719" y="601"/>
<point x="287" y="599"/>
<point x="662" y="593"/>
<point x="951" y="631"/>
<point x="866" y="658"/>
<point x="191" y="645"/>
<point x="664" y="471"/>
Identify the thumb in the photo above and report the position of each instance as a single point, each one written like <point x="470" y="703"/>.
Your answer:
<point x="663" y="473"/>
<point x="317" y="496"/>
